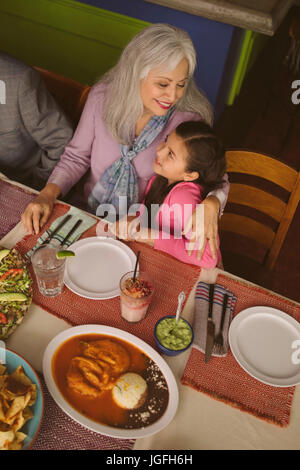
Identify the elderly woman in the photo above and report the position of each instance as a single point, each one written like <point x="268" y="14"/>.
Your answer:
<point x="133" y="108"/>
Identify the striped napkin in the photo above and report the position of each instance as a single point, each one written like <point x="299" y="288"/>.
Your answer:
<point x="87" y="222"/>
<point x="201" y="315"/>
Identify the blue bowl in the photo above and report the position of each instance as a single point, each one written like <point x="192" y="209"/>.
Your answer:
<point x="11" y="361"/>
<point x="167" y="351"/>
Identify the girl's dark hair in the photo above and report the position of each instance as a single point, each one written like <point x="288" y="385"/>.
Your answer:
<point x="206" y="155"/>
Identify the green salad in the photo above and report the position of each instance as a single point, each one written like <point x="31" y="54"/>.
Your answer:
<point x="15" y="290"/>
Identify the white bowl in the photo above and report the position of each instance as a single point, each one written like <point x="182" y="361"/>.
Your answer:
<point x="162" y="422"/>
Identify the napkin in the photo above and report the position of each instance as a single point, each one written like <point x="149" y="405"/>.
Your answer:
<point x="87" y="222"/>
<point x="201" y="315"/>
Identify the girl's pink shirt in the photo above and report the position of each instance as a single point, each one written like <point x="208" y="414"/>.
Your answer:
<point x="183" y="198"/>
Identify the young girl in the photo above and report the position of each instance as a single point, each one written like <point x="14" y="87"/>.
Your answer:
<point x="188" y="165"/>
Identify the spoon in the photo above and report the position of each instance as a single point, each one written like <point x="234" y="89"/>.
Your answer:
<point x="181" y="299"/>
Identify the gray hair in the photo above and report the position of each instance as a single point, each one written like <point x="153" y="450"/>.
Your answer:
<point x="154" y="46"/>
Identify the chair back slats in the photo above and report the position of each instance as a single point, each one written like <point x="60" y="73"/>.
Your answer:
<point x="275" y="171"/>
<point x="284" y="225"/>
<point x="257" y="199"/>
<point x="83" y="97"/>
<point x="241" y="161"/>
<point x="247" y="228"/>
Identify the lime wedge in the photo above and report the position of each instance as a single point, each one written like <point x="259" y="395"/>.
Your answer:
<point x="64" y="254"/>
<point x="3" y="253"/>
<point x="12" y="297"/>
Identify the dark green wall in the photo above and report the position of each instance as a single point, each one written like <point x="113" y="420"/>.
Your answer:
<point x="65" y="36"/>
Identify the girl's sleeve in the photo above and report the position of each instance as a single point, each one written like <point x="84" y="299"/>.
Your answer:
<point x="222" y="193"/>
<point x="183" y="201"/>
<point x="76" y="159"/>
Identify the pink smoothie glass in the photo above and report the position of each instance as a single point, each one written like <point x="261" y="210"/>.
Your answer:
<point x="135" y="295"/>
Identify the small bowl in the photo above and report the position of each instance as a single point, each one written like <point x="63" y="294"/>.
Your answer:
<point x="167" y="351"/>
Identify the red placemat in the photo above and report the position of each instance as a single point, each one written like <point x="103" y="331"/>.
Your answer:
<point x="13" y="201"/>
<point x="170" y="277"/>
<point x="223" y="378"/>
<point x="59" y="432"/>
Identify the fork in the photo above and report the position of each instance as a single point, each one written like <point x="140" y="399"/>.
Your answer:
<point x="219" y="338"/>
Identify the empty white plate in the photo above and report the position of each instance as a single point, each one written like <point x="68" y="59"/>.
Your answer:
<point x="97" y="267"/>
<point x="266" y="342"/>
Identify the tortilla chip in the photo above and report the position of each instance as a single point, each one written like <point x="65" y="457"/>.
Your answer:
<point x="5" y="439"/>
<point x="18" y="383"/>
<point x="20" y="436"/>
<point x="17" y="394"/>
<point x="33" y="392"/>
<point x="3" y="380"/>
<point x="18" y="404"/>
<point x="18" y="422"/>
<point x="4" y="427"/>
<point x="15" y="446"/>
<point x="27" y="414"/>
<point x="2" y="411"/>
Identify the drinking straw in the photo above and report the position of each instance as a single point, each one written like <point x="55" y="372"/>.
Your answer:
<point x="136" y="265"/>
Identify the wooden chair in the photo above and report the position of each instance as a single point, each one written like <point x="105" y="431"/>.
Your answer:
<point x="69" y="94"/>
<point x="257" y="209"/>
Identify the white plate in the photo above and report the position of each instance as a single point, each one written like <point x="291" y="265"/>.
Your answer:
<point x="98" y="266"/>
<point x="261" y="340"/>
<point x="163" y="421"/>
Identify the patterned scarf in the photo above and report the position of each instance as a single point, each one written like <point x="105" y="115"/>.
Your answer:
<point x="119" y="181"/>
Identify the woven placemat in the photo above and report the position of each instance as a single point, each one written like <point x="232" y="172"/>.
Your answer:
<point x="223" y="378"/>
<point x="13" y="201"/>
<point x="59" y="432"/>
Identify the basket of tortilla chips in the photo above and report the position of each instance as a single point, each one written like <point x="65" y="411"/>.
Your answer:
<point x="21" y="402"/>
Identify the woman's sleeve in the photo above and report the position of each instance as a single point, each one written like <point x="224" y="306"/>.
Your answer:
<point x="185" y="199"/>
<point x="76" y="159"/>
<point x="222" y="193"/>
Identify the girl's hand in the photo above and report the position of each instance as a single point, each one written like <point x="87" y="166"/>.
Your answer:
<point x="38" y="212"/>
<point x="123" y="228"/>
<point x="129" y="229"/>
<point x="208" y="230"/>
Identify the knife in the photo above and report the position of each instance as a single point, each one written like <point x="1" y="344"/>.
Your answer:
<point x="71" y="231"/>
<point x="210" y="335"/>
<point x="60" y="225"/>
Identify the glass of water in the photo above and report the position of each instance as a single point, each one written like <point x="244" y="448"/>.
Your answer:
<point x="49" y="270"/>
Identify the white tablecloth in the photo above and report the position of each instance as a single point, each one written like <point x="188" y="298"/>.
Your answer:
<point x="201" y="422"/>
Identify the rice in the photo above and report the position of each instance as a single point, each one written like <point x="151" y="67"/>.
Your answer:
<point x="130" y="391"/>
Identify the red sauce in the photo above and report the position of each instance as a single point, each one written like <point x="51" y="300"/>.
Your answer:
<point x="102" y="409"/>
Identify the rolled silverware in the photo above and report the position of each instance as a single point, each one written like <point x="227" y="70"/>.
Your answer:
<point x="60" y="225"/>
<point x="219" y="338"/>
<point x="210" y="335"/>
<point x="71" y="231"/>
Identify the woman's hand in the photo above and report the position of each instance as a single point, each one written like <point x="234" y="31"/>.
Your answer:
<point x="37" y="212"/>
<point x="208" y="230"/>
